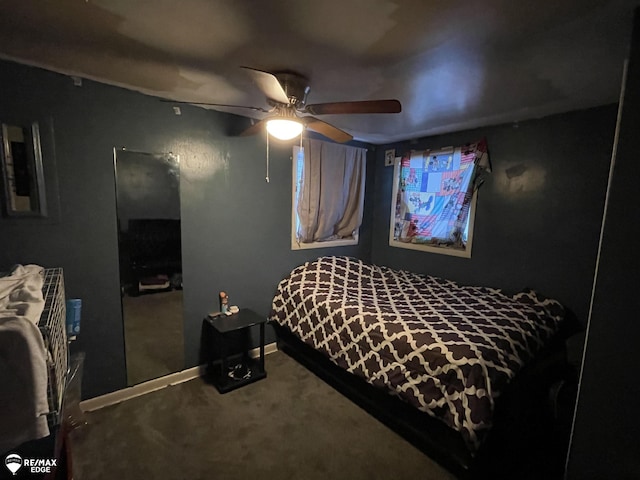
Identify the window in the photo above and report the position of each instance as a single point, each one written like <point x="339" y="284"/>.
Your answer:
<point x="434" y="197"/>
<point x="328" y="194"/>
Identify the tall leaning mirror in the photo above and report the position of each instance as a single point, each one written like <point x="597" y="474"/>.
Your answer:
<point x="149" y="243"/>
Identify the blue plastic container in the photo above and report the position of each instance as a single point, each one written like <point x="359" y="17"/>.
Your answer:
<point x="74" y="309"/>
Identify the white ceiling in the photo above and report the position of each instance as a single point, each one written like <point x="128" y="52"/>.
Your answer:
<point x="452" y="64"/>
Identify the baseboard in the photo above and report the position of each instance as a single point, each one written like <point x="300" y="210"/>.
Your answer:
<point x="157" y="383"/>
<point x="269" y="348"/>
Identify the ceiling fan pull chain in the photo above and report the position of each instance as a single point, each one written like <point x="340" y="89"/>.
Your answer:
<point x="267" y="177"/>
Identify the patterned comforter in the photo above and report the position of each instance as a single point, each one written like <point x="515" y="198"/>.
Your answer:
<point x="447" y="349"/>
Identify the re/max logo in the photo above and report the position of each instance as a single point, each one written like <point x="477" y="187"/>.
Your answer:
<point x="15" y="462"/>
<point x="39" y="462"/>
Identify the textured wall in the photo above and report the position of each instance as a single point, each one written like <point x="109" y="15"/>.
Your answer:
<point x="538" y="214"/>
<point x="605" y="433"/>
<point x="148" y="186"/>
<point x="236" y="227"/>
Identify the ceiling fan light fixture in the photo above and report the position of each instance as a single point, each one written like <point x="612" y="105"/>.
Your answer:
<point x="284" y="128"/>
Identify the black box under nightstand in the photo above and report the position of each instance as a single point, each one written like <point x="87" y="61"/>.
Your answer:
<point x="249" y="370"/>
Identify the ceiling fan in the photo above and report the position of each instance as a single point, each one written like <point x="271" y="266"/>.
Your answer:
<point x="287" y="93"/>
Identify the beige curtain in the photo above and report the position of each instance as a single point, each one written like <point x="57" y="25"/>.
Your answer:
<point x="331" y="197"/>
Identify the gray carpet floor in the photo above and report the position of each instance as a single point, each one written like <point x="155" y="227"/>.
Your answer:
<point x="154" y="341"/>
<point x="290" y="425"/>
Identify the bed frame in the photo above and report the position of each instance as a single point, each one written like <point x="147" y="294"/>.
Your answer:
<point x="523" y="428"/>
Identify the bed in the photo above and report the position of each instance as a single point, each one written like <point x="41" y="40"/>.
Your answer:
<point x="444" y="351"/>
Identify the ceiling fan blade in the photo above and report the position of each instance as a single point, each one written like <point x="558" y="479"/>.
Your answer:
<point x="327" y="130"/>
<point x="224" y="105"/>
<point x="269" y="84"/>
<point x="367" y="106"/>
<point x="253" y="129"/>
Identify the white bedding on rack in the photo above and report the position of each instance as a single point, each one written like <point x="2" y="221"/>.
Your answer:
<point x="23" y="358"/>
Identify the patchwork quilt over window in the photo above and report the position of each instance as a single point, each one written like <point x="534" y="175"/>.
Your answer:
<point x="447" y="349"/>
<point x="434" y="194"/>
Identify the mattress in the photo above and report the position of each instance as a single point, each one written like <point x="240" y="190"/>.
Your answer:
<point x="447" y="349"/>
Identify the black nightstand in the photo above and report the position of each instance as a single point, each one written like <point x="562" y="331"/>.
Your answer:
<point x="248" y="370"/>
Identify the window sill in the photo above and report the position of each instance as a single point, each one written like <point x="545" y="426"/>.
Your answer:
<point x="455" y="252"/>
<point x="328" y="244"/>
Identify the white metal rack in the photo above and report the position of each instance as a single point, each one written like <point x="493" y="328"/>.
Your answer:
<point x="52" y="325"/>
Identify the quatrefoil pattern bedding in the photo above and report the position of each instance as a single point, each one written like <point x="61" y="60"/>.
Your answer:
<point x="447" y="349"/>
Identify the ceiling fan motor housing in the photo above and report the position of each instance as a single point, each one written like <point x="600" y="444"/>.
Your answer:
<point x="295" y="86"/>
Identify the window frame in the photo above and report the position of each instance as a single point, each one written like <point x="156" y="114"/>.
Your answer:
<point x="423" y="247"/>
<point x="295" y="245"/>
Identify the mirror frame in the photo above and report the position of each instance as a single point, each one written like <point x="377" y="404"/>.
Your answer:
<point x="35" y="168"/>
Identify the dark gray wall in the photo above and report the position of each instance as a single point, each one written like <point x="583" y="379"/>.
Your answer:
<point x="236" y="227"/>
<point x="537" y="229"/>
<point x="605" y="434"/>
<point x="148" y="186"/>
